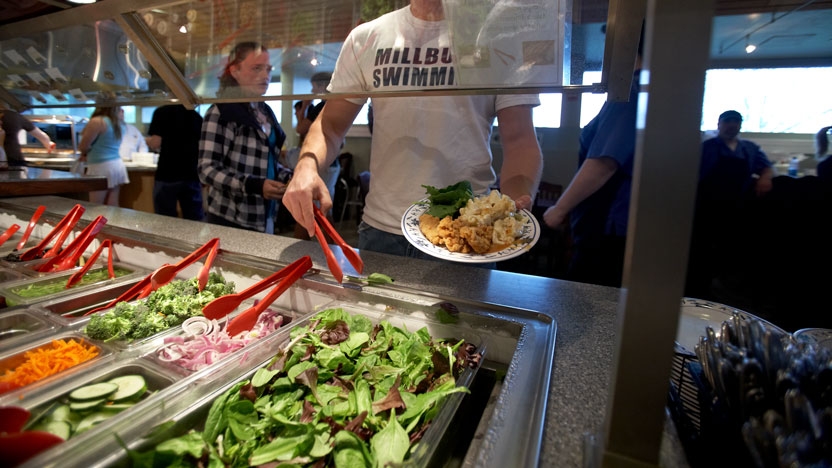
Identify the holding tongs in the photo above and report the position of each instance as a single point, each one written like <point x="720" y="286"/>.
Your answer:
<point x="331" y="260"/>
<point x="165" y="273"/>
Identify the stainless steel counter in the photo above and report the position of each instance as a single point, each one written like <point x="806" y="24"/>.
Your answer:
<point x="585" y="314"/>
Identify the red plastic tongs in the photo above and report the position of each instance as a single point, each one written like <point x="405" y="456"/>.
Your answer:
<point x="164" y="274"/>
<point x="75" y="278"/>
<point x="331" y="260"/>
<point x="62" y="230"/>
<point x="9" y="232"/>
<point x="32" y="222"/>
<point x="247" y="318"/>
<point x="69" y="256"/>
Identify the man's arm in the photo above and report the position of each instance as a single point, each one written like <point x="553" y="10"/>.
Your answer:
<point x="320" y="148"/>
<point x="154" y="142"/>
<point x="593" y="174"/>
<point x="304" y="124"/>
<point x="522" y="160"/>
<point x="43" y="138"/>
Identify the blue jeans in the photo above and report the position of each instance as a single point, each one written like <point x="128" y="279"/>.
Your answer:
<point x="187" y="194"/>
<point x="376" y="240"/>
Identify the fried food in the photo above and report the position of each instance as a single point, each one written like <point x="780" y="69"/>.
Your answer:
<point x="484" y="224"/>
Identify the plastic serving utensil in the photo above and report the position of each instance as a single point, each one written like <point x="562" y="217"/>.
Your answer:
<point x="61" y="229"/>
<point x="30" y="227"/>
<point x="223" y="305"/>
<point x="75" y="278"/>
<point x="248" y="317"/>
<point x="167" y="272"/>
<point x="9" y="232"/>
<point x="68" y="258"/>
<point x="332" y="262"/>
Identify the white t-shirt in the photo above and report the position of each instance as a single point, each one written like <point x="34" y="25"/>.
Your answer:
<point x="131" y="141"/>
<point x="416" y="141"/>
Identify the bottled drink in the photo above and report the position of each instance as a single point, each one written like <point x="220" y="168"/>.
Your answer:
<point x="794" y="164"/>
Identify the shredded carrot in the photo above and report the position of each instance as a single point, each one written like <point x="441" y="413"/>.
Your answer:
<point x="47" y="360"/>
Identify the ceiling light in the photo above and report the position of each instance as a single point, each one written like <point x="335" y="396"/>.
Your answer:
<point x="81" y="1"/>
<point x="314" y="62"/>
<point x="183" y="29"/>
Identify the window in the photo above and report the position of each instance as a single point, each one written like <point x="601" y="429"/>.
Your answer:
<point x="771" y="100"/>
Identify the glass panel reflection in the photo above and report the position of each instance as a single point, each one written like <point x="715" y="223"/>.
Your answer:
<point x="74" y="64"/>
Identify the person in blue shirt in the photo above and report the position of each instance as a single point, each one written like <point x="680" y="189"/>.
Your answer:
<point x="732" y="172"/>
<point x="732" y="166"/>
<point x="597" y="199"/>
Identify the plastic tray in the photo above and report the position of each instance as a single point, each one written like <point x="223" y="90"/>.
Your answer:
<point x="13" y="358"/>
<point x="13" y="298"/>
<point x="21" y="326"/>
<point x="160" y="424"/>
<point x="289" y="319"/>
<point x="70" y="309"/>
<point x="7" y="274"/>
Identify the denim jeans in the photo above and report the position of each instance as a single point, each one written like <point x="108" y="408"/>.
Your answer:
<point x="376" y="240"/>
<point x="188" y="194"/>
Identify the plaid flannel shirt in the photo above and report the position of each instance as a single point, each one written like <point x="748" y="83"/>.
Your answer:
<point x="233" y="162"/>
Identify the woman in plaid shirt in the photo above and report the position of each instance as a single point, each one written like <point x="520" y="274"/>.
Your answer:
<point x="239" y="146"/>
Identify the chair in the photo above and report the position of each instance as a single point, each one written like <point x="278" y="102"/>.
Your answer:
<point x="355" y="194"/>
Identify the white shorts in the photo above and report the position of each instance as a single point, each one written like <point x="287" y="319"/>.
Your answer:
<point x="114" y="170"/>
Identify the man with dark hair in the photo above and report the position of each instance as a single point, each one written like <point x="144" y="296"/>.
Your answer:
<point x="732" y="171"/>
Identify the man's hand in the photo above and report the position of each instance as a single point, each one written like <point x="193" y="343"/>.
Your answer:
<point x="305" y="187"/>
<point x="554" y="216"/>
<point x="273" y="190"/>
<point x="52" y="146"/>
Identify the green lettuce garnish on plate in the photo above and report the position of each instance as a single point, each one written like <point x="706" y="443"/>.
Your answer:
<point x="447" y="201"/>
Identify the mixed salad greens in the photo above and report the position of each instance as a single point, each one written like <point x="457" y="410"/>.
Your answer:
<point x="447" y="201"/>
<point x="342" y="392"/>
<point x="167" y="307"/>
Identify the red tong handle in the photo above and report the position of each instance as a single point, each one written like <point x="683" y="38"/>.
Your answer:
<point x="83" y="271"/>
<point x="135" y="292"/>
<point x="9" y="232"/>
<point x="30" y="227"/>
<point x="246" y="319"/>
<point x="70" y="255"/>
<point x="331" y="261"/>
<point x="213" y="313"/>
<point x="350" y="253"/>
<point x="63" y="227"/>
<point x="202" y="278"/>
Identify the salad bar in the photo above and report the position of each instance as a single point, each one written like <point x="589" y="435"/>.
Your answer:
<point x="198" y="354"/>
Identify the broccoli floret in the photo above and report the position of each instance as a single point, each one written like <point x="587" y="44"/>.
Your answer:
<point x="108" y="327"/>
<point x="147" y="324"/>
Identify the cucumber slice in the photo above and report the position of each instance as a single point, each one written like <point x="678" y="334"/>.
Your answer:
<point x="60" y="413"/>
<point x="93" y="392"/>
<point x="130" y="387"/>
<point x="91" y="420"/>
<point x="90" y="405"/>
<point x="61" y="429"/>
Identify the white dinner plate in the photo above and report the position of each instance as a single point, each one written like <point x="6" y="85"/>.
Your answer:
<point x="410" y="228"/>
<point x="697" y="314"/>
